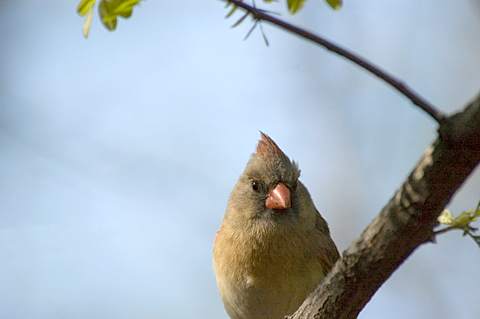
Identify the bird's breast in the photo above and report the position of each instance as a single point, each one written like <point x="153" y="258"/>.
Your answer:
<point x="261" y="272"/>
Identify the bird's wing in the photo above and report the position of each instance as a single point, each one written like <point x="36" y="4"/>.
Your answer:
<point x="329" y="253"/>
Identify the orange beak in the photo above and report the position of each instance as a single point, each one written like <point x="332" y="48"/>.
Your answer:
<point x="279" y="197"/>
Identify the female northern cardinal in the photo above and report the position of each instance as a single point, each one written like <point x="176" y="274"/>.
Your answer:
<point x="273" y="247"/>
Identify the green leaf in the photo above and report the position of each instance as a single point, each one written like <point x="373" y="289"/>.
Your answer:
<point x="335" y="4"/>
<point x="88" y="20"/>
<point x="462" y="222"/>
<point x="109" y="20"/>
<point x="295" y="5"/>
<point x="463" y="219"/>
<point x="124" y="7"/>
<point x="232" y="11"/>
<point x="109" y="10"/>
<point x="85" y="6"/>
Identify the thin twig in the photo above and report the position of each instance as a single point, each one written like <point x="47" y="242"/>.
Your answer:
<point x="441" y="231"/>
<point x="401" y="87"/>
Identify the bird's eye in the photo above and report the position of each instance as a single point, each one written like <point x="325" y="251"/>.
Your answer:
<point x="256" y="186"/>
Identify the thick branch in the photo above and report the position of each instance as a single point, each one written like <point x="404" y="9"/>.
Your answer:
<point x="405" y="223"/>
<point x="261" y="15"/>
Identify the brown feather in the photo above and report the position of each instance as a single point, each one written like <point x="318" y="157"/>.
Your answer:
<point x="267" y="147"/>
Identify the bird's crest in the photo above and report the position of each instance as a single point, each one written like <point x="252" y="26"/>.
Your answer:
<point x="276" y="159"/>
<point x="267" y="147"/>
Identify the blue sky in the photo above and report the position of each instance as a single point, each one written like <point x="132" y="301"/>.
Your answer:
<point x="118" y="152"/>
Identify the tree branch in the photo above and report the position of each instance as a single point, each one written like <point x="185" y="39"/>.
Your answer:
<point x="404" y="224"/>
<point x="261" y="15"/>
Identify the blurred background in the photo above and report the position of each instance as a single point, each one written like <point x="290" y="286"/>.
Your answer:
<point x="118" y="152"/>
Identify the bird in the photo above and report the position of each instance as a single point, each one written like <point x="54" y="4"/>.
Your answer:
<point x="273" y="247"/>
